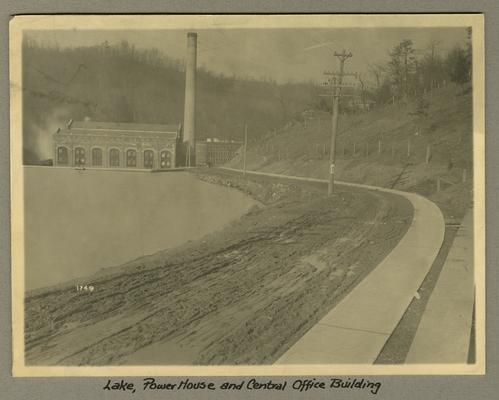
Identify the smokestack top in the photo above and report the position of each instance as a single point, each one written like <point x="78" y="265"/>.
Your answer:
<point x="192" y="34"/>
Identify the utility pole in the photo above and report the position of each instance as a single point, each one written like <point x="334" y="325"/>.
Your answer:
<point x="245" y="147"/>
<point x="337" y="84"/>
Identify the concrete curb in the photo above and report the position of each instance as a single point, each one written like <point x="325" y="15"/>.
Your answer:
<point x="356" y="329"/>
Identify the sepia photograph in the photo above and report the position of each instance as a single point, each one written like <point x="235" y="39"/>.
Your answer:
<point x="247" y="194"/>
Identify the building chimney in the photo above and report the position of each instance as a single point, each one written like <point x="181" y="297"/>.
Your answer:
<point x="190" y="100"/>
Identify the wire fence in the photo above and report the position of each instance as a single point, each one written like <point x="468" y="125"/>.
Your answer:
<point x="411" y="151"/>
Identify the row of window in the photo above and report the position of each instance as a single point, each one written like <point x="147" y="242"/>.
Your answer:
<point x="220" y="157"/>
<point x="114" y="158"/>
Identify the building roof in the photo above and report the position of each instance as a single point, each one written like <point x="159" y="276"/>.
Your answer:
<point x="122" y="128"/>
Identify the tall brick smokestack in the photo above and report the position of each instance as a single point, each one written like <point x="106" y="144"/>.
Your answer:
<point x="190" y="99"/>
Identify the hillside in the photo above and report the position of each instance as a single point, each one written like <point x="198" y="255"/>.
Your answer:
<point x="123" y="84"/>
<point x="391" y="145"/>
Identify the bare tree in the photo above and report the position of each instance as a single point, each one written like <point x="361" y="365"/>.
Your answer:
<point x="377" y="71"/>
<point x="362" y="91"/>
<point x="432" y="49"/>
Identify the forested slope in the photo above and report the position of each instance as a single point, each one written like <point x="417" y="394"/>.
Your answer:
<point x="123" y="84"/>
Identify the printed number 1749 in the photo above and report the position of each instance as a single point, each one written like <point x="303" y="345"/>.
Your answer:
<point x="84" y="288"/>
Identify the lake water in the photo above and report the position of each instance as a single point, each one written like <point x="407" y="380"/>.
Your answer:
<point x="77" y="222"/>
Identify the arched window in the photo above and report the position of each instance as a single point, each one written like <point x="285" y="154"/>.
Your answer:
<point x="148" y="159"/>
<point x="165" y="159"/>
<point x="79" y="156"/>
<point x="97" y="157"/>
<point x="114" y="158"/>
<point x="62" y="155"/>
<point x="131" y="158"/>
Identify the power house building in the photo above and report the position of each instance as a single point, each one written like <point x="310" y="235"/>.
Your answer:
<point x="116" y="145"/>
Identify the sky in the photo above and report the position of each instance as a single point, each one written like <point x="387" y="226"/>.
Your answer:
<point x="283" y="55"/>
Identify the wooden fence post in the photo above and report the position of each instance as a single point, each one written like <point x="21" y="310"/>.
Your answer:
<point x="379" y="146"/>
<point x="428" y="154"/>
<point x="354" y="148"/>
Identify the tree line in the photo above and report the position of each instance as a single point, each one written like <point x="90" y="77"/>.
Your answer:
<point x="122" y="83"/>
<point x="411" y="72"/>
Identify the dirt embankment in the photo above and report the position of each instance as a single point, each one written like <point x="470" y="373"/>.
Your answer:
<point x="388" y="147"/>
<point x="241" y="295"/>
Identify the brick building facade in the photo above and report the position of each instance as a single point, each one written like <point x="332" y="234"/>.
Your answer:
<point x="116" y="145"/>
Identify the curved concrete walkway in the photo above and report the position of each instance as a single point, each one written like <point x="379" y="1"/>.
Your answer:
<point x="357" y="328"/>
<point x="443" y="335"/>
